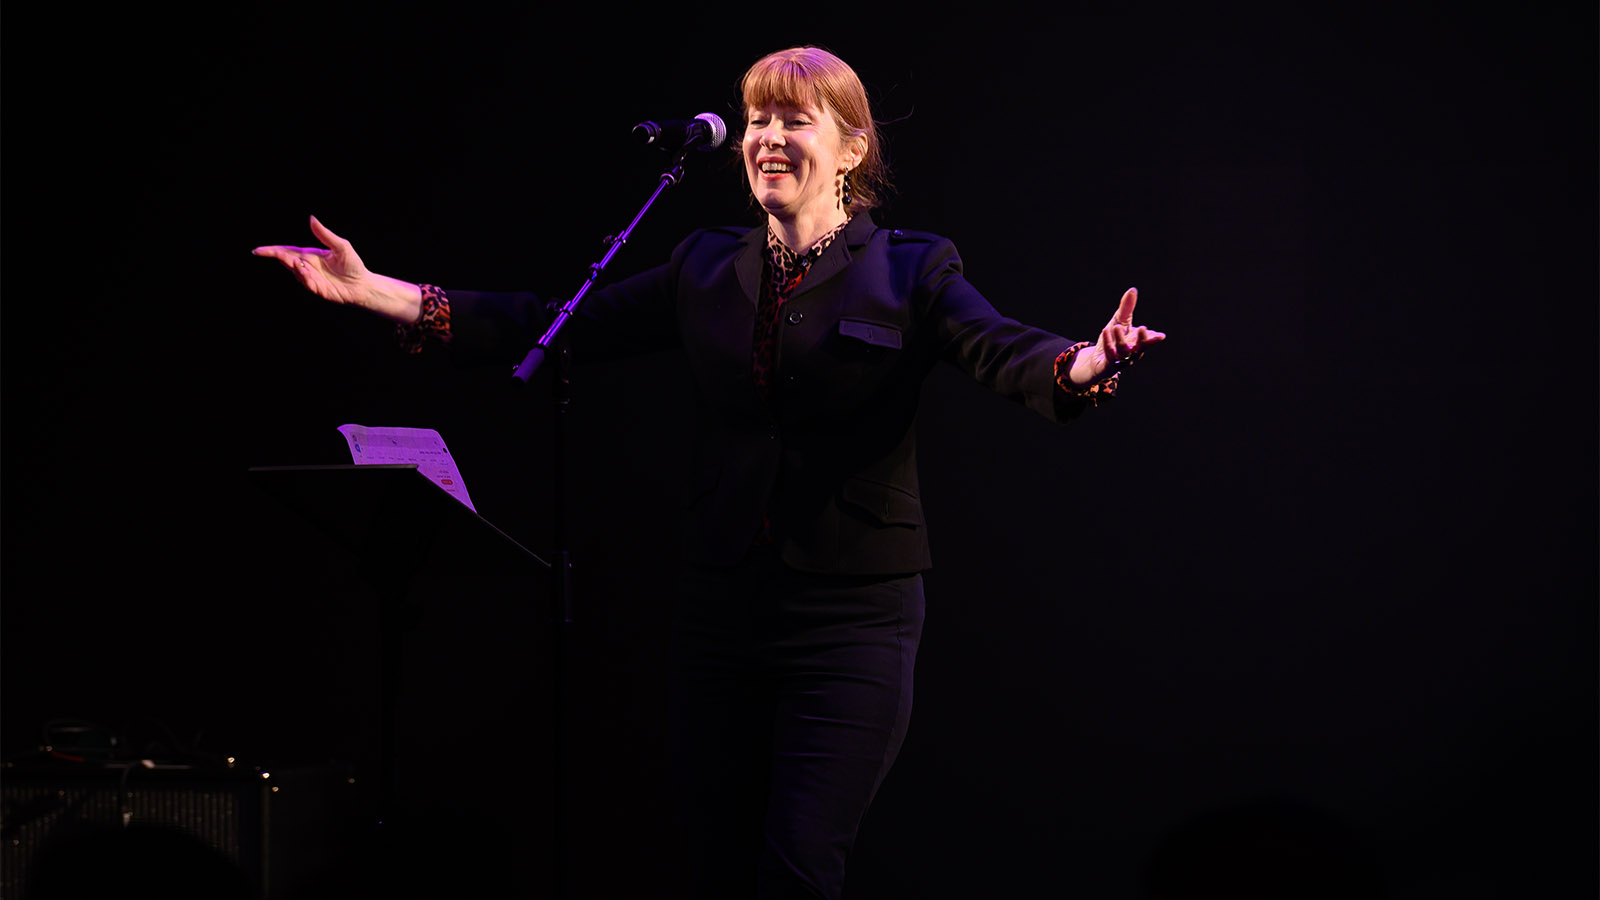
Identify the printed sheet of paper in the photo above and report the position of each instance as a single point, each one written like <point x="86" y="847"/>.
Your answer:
<point x="422" y="446"/>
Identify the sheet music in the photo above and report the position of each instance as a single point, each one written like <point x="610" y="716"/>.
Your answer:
<point x="421" y="446"/>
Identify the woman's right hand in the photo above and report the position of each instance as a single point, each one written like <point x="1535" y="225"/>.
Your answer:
<point x="337" y="274"/>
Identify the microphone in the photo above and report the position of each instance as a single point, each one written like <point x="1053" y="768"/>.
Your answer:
<point x="703" y="132"/>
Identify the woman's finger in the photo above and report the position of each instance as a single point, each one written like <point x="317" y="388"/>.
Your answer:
<point x="1144" y="337"/>
<point x="1140" y="337"/>
<point x="1124" y="315"/>
<point x="333" y="242"/>
<point x="323" y="233"/>
<point x="1108" y="343"/>
<point x="288" y="254"/>
<point x="281" y="254"/>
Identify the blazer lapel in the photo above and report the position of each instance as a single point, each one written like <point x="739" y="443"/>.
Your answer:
<point x="837" y="256"/>
<point x="752" y="257"/>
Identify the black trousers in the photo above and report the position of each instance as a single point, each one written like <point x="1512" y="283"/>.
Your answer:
<point x="790" y="700"/>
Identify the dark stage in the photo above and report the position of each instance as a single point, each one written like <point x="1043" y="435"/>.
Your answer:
<point x="1309" y="611"/>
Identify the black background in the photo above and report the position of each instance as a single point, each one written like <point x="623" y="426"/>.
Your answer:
<point x="1330" y="559"/>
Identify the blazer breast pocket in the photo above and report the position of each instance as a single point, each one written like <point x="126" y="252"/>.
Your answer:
<point x="872" y="334"/>
<point x="864" y="340"/>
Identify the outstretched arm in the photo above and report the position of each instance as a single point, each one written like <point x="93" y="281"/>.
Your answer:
<point x="336" y="273"/>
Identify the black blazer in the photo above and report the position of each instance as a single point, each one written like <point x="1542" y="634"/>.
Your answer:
<point x="833" y="462"/>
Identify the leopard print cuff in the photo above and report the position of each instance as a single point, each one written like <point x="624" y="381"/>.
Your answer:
<point x="433" y="325"/>
<point x="1096" y="393"/>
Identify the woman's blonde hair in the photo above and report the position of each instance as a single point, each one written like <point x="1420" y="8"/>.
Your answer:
<point x="811" y="76"/>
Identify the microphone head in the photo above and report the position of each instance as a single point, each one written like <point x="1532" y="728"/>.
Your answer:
<point x="719" y="131"/>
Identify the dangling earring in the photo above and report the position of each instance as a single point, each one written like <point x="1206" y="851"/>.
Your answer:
<point x="845" y="195"/>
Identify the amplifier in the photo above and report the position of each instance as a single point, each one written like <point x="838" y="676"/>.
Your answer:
<point x="245" y="831"/>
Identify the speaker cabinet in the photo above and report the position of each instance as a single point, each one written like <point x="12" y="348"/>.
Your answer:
<point x="240" y="831"/>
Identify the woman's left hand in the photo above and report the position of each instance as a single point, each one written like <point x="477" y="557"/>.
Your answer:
<point x="1120" y="343"/>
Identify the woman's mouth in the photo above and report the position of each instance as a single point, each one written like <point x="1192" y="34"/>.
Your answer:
<point x="773" y="169"/>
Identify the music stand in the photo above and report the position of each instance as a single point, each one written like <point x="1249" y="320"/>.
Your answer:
<point x="399" y="526"/>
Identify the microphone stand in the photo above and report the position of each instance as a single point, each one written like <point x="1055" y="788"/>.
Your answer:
<point x="535" y="357"/>
<point x="561" y="567"/>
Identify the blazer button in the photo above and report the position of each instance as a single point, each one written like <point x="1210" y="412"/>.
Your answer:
<point x="796" y="317"/>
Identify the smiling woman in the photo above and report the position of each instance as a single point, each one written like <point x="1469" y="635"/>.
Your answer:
<point x="811" y="148"/>
<point x="800" y="603"/>
<point x="799" y="165"/>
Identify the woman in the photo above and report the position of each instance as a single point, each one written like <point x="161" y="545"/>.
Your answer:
<point x="801" y="601"/>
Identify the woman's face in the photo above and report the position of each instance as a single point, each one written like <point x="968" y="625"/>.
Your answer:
<point x="793" y="158"/>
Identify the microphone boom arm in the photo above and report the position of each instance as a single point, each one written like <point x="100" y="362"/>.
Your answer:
<point x="535" y="357"/>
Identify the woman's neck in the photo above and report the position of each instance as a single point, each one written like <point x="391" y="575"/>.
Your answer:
<point x="800" y="232"/>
